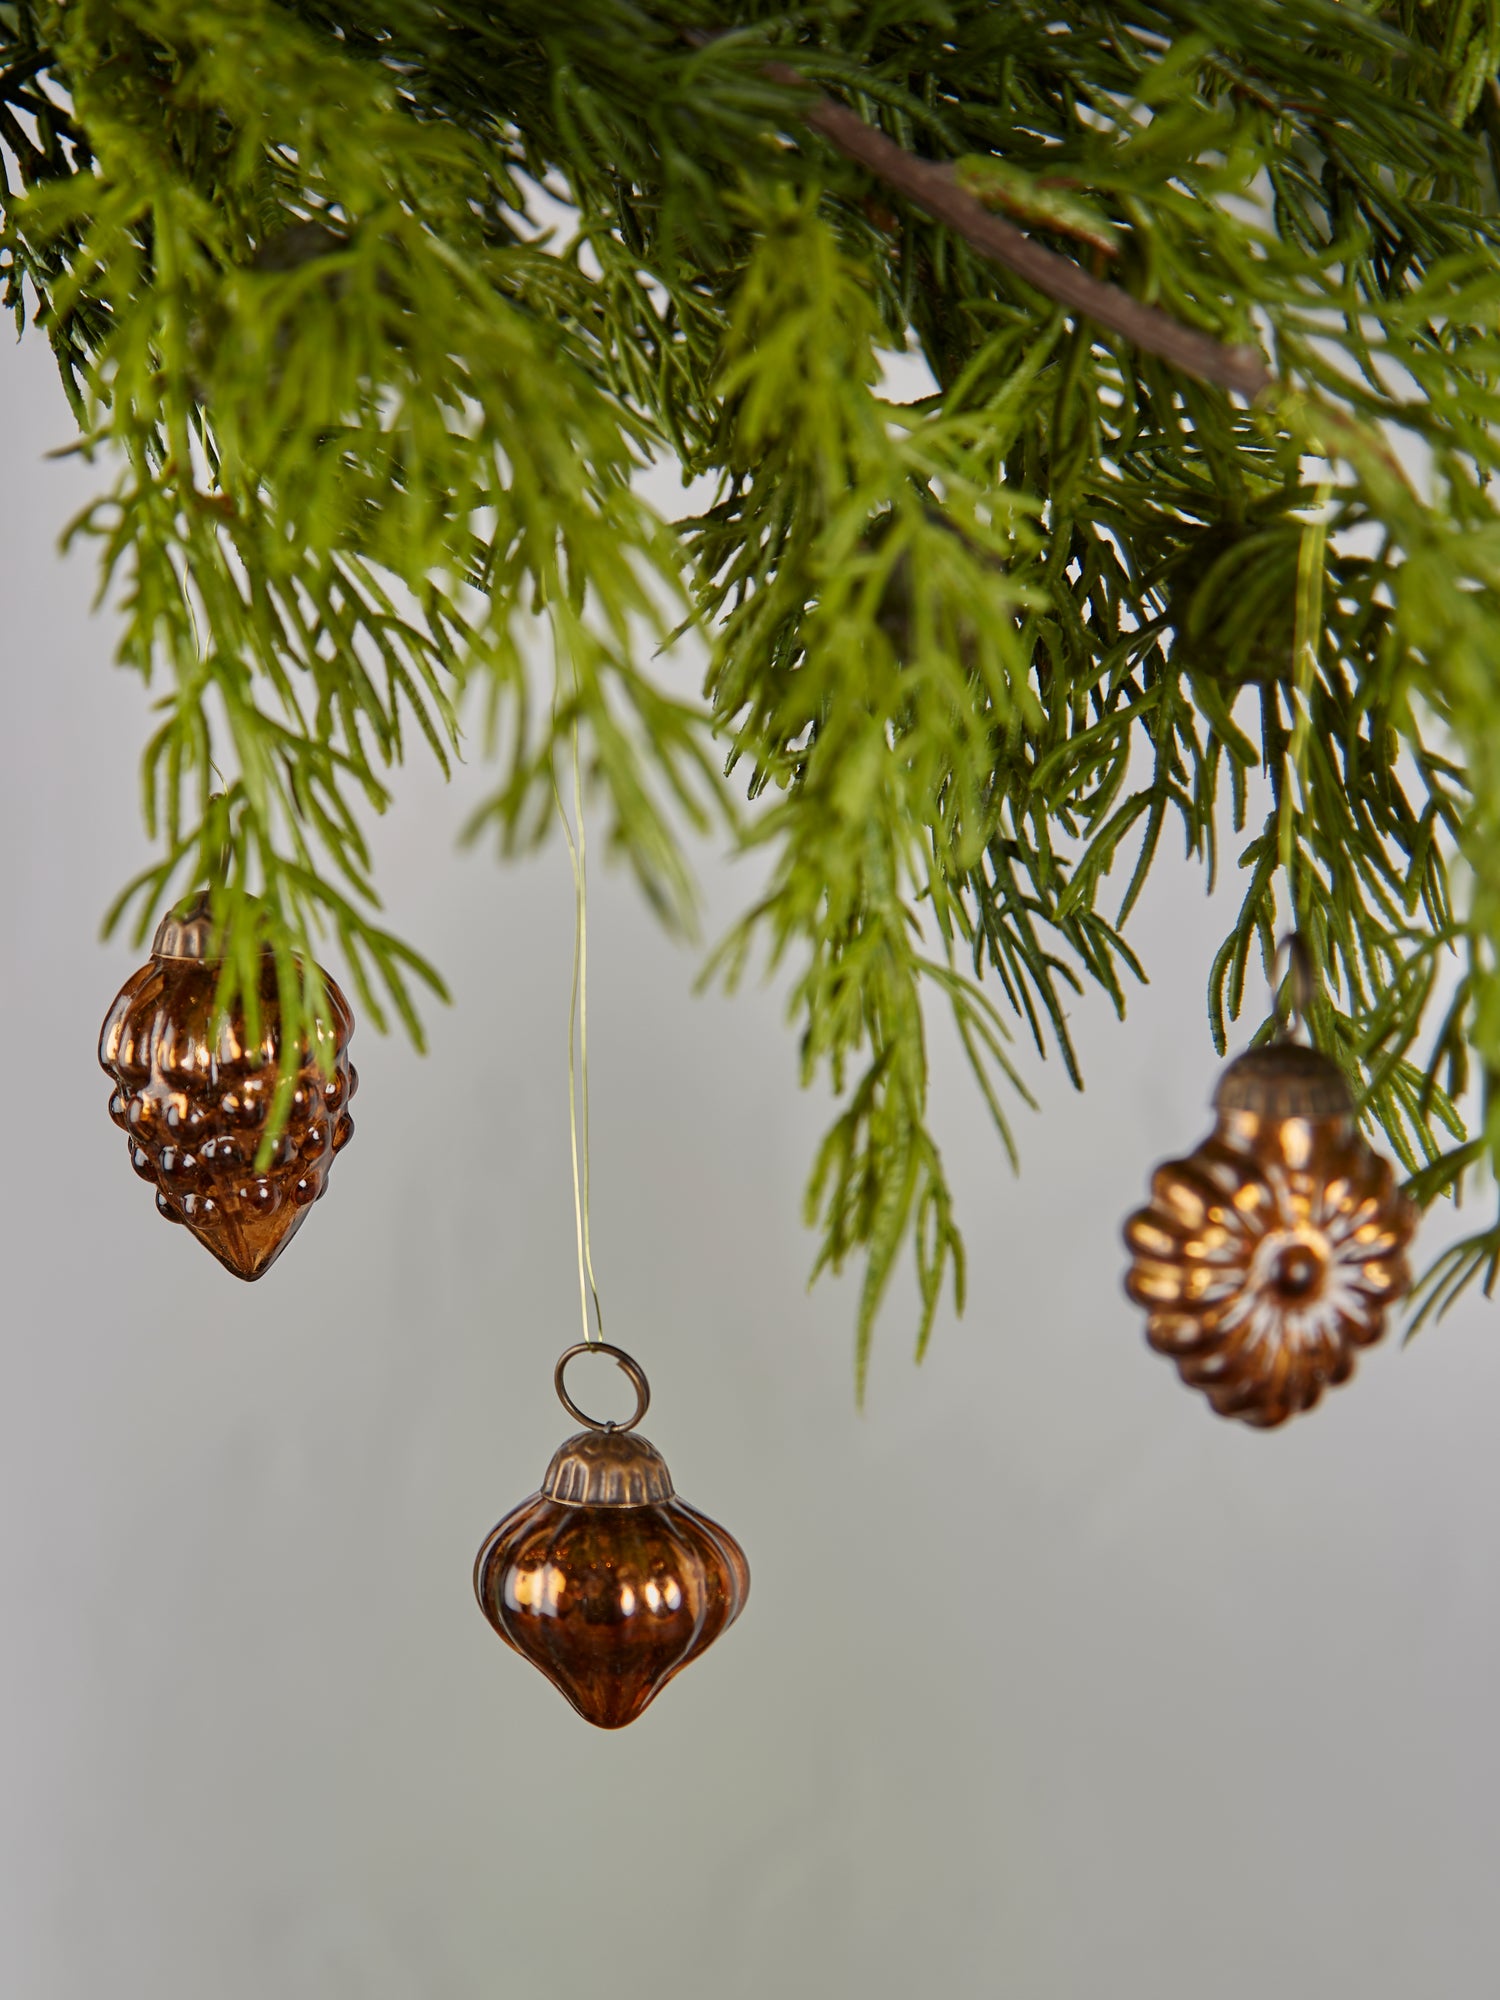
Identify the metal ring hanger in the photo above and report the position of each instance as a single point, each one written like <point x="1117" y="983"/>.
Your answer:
<point x="628" y="1366"/>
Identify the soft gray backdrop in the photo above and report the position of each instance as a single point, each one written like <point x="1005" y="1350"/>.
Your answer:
<point x="1050" y="1686"/>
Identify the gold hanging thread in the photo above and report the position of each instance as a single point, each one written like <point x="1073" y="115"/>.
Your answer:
<point x="578" y="1047"/>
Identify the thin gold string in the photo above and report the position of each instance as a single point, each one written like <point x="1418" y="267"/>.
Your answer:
<point x="578" y="1048"/>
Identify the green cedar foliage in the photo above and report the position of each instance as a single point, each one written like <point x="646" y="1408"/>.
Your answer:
<point x="372" y="413"/>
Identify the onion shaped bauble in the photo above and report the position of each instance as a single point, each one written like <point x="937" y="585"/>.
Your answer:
<point x="605" y="1580"/>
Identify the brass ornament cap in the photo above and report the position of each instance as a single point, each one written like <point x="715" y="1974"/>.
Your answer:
<point x="1270" y="1255"/>
<point x="605" y="1580"/>
<point x="608" y="1468"/>
<point x="192" y="1098"/>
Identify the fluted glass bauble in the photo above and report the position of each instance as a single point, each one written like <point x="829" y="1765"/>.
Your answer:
<point x="607" y="1581"/>
<point x="1270" y="1255"/>
<point x="192" y="1096"/>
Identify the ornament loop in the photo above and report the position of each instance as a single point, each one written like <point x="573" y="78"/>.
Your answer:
<point x="627" y="1365"/>
<point x="1293" y="992"/>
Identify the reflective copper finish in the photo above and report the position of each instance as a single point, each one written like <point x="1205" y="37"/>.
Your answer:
<point x="192" y="1098"/>
<point x="1270" y="1255"/>
<point x="605" y="1579"/>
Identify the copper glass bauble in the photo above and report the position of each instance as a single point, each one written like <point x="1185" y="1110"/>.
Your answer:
<point x="605" y="1579"/>
<point x="192" y="1098"/>
<point x="1270" y="1255"/>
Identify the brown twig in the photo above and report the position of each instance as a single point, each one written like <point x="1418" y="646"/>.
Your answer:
<point x="930" y="186"/>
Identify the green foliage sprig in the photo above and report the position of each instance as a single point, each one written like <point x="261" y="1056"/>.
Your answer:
<point x="375" y="415"/>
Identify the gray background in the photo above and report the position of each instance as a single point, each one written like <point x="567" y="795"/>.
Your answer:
<point x="1050" y="1685"/>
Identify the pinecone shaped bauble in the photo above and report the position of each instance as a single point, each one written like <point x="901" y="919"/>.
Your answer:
<point x="605" y="1580"/>
<point x="1269" y="1256"/>
<point x="192" y="1099"/>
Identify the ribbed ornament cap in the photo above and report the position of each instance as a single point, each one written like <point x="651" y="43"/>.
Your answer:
<point x="608" y="1468"/>
<point x="187" y="931"/>
<point x="1285" y="1080"/>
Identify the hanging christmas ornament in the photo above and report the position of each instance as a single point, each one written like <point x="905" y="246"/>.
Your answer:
<point x="192" y="1097"/>
<point x="605" y="1579"/>
<point x="1270" y="1255"/>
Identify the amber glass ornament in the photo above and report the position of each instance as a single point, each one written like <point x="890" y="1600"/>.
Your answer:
<point x="192" y="1096"/>
<point x="1270" y="1255"/>
<point x="605" y="1580"/>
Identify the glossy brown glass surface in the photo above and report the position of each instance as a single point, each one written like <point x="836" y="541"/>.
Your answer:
<point x="192" y="1099"/>
<point x="1269" y="1256"/>
<point x="612" y="1600"/>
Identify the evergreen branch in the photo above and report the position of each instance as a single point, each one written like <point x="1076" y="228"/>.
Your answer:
<point x="373" y="415"/>
<point x="934" y="188"/>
